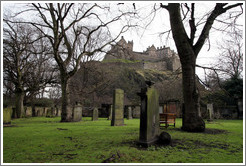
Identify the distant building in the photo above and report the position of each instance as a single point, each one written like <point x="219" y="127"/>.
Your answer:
<point x="162" y="58"/>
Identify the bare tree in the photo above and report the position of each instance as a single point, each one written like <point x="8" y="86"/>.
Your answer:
<point x="188" y="49"/>
<point x="230" y="60"/>
<point x="75" y="31"/>
<point x="25" y="62"/>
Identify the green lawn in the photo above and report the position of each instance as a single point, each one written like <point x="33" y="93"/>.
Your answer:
<point x="46" y="140"/>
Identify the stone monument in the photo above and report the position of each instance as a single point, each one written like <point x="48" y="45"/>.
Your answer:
<point x="210" y="109"/>
<point x="149" y="117"/>
<point x="7" y="113"/>
<point x="129" y="112"/>
<point x="77" y="112"/>
<point x="95" y="114"/>
<point x="118" y="108"/>
<point x="110" y="112"/>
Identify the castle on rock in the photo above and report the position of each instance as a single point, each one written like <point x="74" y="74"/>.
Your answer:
<point x="162" y="58"/>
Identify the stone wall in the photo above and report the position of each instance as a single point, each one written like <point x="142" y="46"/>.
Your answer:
<point x="155" y="65"/>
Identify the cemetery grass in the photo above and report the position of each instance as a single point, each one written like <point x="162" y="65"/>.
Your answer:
<point x="46" y="140"/>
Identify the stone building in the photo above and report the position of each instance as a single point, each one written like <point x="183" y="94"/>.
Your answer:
<point x="162" y="58"/>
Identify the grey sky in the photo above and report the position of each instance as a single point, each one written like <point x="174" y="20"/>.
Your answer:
<point x="143" y="38"/>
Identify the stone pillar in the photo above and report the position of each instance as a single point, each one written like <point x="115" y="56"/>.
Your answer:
<point x="129" y="112"/>
<point x="7" y="113"/>
<point x="110" y="112"/>
<point x="95" y="114"/>
<point x="77" y="112"/>
<point x="149" y="117"/>
<point x="210" y="111"/>
<point x="118" y="108"/>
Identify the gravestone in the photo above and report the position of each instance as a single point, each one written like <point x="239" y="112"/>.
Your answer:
<point x="110" y="112"/>
<point x="240" y="108"/>
<point x="77" y="112"/>
<point x="118" y="108"/>
<point x="28" y="111"/>
<point x="129" y="112"/>
<point x="136" y="112"/>
<point x="95" y="114"/>
<point x="7" y="113"/>
<point x="149" y="117"/>
<point x="210" y="109"/>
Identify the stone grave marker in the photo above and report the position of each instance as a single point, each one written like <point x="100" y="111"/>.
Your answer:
<point x="28" y="111"/>
<point x="95" y="114"/>
<point x="7" y="113"/>
<point x="129" y="112"/>
<point x="77" y="112"/>
<point x="110" y="112"/>
<point x="118" y="108"/>
<point x="149" y="117"/>
<point x="210" y="109"/>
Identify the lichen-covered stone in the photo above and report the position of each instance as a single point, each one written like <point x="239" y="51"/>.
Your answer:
<point x="118" y="108"/>
<point x="149" y="118"/>
<point x="7" y="112"/>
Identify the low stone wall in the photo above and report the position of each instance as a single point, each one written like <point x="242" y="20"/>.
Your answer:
<point x="155" y="65"/>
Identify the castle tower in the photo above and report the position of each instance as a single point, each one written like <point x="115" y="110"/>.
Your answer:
<point x="152" y="51"/>
<point x="130" y="45"/>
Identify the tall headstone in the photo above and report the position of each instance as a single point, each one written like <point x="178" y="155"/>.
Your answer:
<point x="149" y="117"/>
<point x="110" y="112"/>
<point x="129" y="112"/>
<point x="95" y="114"/>
<point x="118" y="108"/>
<point x="7" y="113"/>
<point x="77" y="112"/>
<point x="210" y="109"/>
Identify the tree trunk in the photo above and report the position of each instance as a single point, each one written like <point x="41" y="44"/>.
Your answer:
<point x="66" y="114"/>
<point x="19" y="107"/>
<point x="191" y="119"/>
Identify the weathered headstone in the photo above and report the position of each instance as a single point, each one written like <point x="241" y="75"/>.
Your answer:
<point x="136" y="112"/>
<point x="77" y="112"/>
<point x="110" y="112"/>
<point x="149" y="118"/>
<point x="118" y="108"/>
<point x="210" y="109"/>
<point x="28" y="111"/>
<point x="95" y="114"/>
<point x="7" y="113"/>
<point x="129" y="112"/>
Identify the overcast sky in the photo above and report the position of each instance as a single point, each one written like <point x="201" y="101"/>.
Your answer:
<point x="144" y="37"/>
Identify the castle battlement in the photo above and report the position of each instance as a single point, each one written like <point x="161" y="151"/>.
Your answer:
<point x="162" y="58"/>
